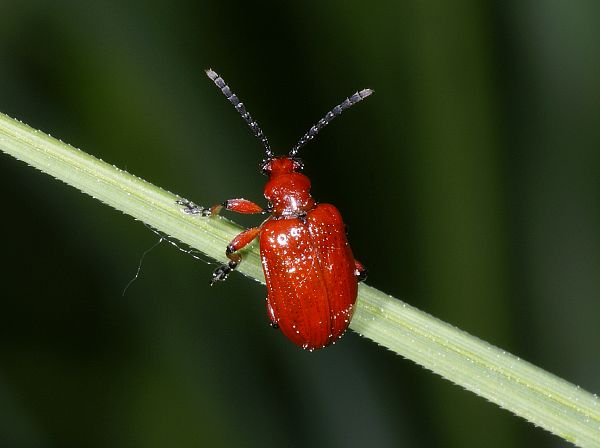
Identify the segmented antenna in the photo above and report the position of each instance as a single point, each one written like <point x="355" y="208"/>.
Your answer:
<point x="239" y="106"/>
<point x="337" y="110"/>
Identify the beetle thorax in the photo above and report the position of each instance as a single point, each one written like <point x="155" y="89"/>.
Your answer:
<point x="287" y="191"/>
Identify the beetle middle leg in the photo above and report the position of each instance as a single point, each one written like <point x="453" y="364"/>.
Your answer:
<point x="238" y="243"/>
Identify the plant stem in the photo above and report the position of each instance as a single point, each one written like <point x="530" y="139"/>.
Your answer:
<point x="516" y="385"/>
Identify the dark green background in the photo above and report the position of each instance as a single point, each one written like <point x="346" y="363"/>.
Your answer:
<point x="470" y="183"/>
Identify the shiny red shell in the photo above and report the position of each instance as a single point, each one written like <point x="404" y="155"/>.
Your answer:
<point x="308" y="264"/>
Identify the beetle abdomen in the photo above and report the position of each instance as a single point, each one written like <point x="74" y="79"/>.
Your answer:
<point x="309" y="269"/>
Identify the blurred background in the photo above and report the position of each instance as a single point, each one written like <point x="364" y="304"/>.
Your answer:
<point x="470" y="183"/>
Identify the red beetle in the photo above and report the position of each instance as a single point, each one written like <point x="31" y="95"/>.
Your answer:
<point x="310" y="271"/>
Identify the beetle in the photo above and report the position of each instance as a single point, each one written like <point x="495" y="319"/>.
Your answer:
<point x="312" y="277"/>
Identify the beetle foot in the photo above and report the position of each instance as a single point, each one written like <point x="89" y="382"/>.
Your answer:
<point x="361" y="275"/>
<point x="189" y="208"/>
<point x="274" y="325"/>
<point x="222" y="272"/>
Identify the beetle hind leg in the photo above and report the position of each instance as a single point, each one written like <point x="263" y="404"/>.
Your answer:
<point x="273" y="321"/>
<point x="239" y="242"/>
<point x="360" y="271"/>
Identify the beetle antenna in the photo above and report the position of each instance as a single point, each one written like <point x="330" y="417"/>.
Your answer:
<point x="239" y="106"/>
<point x="337" y="110"/>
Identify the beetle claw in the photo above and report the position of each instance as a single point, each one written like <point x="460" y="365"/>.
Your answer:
<point x="220" y="274"/>
<point x="361" y="275"/>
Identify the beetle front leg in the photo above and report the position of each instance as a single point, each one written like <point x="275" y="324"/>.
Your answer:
<point x="238" y="243"/>
<point x="360" y="271"/>
<point x="235" y="205"/>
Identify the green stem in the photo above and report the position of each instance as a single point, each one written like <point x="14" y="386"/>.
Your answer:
<point x="514" y="384"/>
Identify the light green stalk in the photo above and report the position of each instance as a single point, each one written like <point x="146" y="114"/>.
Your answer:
<point x="514" y="384"/>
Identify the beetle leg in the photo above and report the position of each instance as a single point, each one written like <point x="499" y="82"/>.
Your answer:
<point x="241" y="205"/>
<point x="360" y="271"/>
<point x="273" y="321"/>
<point x="238" y="243"/>
<point x="235" y="205"/>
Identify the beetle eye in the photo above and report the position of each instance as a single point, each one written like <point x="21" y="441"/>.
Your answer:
<point x="265" y="167"/>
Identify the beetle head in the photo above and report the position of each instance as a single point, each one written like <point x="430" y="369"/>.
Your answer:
<point x="288" y="190"/>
